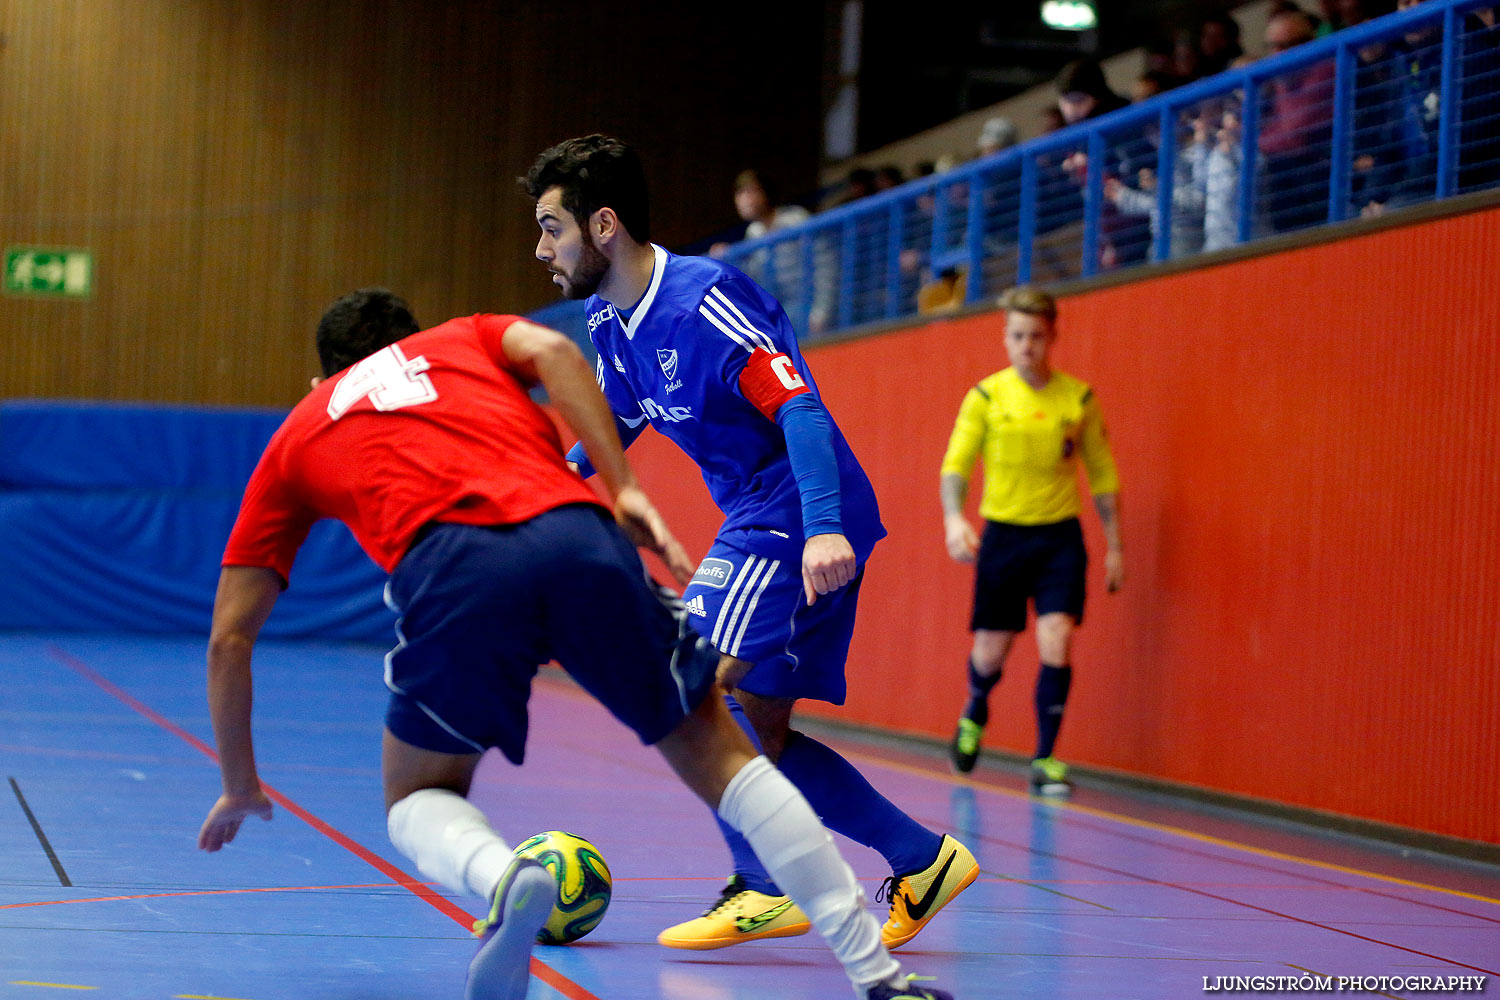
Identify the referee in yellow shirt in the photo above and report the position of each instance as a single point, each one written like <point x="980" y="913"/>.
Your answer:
<point x="1031" y="423"/>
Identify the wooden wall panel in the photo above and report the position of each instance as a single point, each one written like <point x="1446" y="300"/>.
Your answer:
<point x="234" y="166"/>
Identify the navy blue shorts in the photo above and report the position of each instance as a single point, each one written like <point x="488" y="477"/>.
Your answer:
<point x="755" y="608"/>
<point x="483" y="607"/>
<point x="1044" y="563"/>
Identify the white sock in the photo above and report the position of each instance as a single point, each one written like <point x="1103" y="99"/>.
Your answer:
<point x="799" y="854"/>
<point x="450" y="841"/>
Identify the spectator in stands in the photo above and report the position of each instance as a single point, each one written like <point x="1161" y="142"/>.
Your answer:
<point x="1141" y="200"/>
<point x="1151" y="83"/>
<point x="1187" y="59"/>
<point x="755" y="201"/>
<point x="859" y="184"/>
<point x="1330" y="21"/>
<point x="1414" y="90"/>
<point x="1218" y="43"/>
<point x="1279" y="7"/>
<point x="916" y="242"/>
<point x="1374" y="131"/>
<point x="1416" y="75"/>
<point x="888" y="177"/>
<point x="1083" y="94"/>
<point x="865" y="297"/>
<point x="777" y="269"/>
<point x="1341" y="14"/>
<point x="1214" y="155"/>
<point x="997" y="133"/>
<point x="1295" y="133"/>
<point x="1159" y="58"/>
<point x="943" y="294"/>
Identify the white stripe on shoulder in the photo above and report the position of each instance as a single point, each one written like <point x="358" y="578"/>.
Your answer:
<point x="727" y="331"/>
<point x="736" y="319"/>
<point x="744" y="324"/>
<point x="724" y="316"/>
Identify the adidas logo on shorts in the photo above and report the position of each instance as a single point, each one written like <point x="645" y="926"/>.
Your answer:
<point x="695" y="606"/>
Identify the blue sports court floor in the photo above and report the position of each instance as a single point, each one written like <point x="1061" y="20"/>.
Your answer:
<point x="104" y="743"/>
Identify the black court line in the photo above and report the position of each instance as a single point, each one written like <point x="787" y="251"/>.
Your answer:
<point x="36" y="827"/>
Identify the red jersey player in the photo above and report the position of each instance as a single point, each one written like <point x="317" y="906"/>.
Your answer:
<point x="427" y="446"/>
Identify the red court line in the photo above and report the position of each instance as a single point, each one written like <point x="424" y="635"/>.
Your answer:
<point x="1243" y="863"/>
<point x="927" y="769"/>
<point x="1071" y="809"/>
<point x="1183" y="887"/>
<point x="544" y="972"/>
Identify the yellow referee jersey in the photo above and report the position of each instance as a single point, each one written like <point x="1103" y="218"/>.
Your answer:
<point x="1031" y="441"/>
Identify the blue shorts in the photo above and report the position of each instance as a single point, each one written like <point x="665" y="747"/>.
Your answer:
<point x="754" y="608"/>
<point x="483" y="607"/>
<point x="1044" y="563"/>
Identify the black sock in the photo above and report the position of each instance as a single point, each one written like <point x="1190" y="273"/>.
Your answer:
<point x="978" y="708"/>
<point x="1052" y="686"/>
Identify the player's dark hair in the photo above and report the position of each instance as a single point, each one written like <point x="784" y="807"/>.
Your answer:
<point x="594" y="172"/>
<point x="361" y="323"/>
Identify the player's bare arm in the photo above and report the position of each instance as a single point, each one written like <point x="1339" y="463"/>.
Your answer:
<point x="1108" y="506"/>
<point x="959" y="535"/>
<point x="243" y="603"/>
<point x="559" y="366"/>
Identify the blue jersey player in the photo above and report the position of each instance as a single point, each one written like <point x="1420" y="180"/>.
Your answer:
<point x="700" y="352"/>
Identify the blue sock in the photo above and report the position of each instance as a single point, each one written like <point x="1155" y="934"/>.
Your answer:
<point x="1052" y="686"/>
<point x="746" y="865"/>
<point x="850" y="805"/>
<point x="978" y="708"/>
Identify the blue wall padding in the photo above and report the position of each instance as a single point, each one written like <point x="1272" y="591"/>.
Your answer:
<point x="113" y="518"/>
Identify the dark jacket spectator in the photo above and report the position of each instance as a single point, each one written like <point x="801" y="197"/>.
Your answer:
<point x="1413" y="88"/>
<point x="1218" y="43"/>
<point x="1295" y="133"/>
<point x="1083" y="94"/>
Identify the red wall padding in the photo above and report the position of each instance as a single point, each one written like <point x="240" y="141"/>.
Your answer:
<point x="1310" y="449"/>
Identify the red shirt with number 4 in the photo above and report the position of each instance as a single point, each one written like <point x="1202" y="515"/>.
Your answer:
<point x="437" y="427"/>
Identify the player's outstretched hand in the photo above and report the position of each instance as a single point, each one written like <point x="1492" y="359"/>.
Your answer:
<point x="641" y="523"/>
<point x="827" y="565"/>
<point x="228" y="813"/>
<point x="963" y="544"/>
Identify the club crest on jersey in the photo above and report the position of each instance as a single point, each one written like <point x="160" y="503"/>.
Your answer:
<point x="714" y="573"/>
<point x="668" y="360"/>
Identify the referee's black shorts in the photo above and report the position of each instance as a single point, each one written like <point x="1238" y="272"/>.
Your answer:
<point x="1042" y="563"/>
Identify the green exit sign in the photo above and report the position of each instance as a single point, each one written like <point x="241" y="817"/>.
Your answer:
<point x="55" y="272"/>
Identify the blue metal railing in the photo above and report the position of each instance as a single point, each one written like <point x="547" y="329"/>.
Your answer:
<point x="1397" y="111"/>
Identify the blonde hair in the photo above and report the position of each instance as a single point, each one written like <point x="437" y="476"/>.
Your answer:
<point x="1029" y="300"/>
